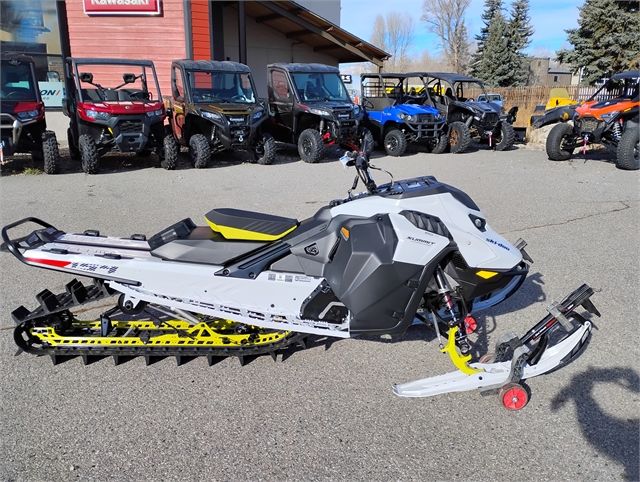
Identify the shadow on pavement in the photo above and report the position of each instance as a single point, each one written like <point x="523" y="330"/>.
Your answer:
<point x="616" y="438"/>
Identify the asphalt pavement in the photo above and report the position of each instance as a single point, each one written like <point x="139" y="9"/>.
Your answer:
<point x="328" y="412"/>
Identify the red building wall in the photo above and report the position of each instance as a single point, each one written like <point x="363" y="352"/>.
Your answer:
<point x="201" y="29"/>
<point x="158" y="38"/>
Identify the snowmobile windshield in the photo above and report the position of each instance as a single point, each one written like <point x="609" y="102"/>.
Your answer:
<point x="320" y="87"/>
<point x="218" y="87"/>
<point x="17" y="82"/>
<point x="117" y="83"/>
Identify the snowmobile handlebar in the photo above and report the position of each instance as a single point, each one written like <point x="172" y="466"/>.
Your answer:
<point x="11" y="245"/>
<point x="360" y="161"/>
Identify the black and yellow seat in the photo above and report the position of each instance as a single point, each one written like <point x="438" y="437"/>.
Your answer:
<point x="242" y="225"/>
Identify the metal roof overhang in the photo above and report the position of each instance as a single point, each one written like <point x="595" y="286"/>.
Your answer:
<point x="299" y="23"/>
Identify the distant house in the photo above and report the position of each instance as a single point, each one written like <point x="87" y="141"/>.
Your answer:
<point x="547" y="72"/>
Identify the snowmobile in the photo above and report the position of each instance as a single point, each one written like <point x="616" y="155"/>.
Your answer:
<point x="252" y="283"/>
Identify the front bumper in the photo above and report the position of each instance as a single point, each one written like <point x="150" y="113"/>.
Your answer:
<point x="11" y="130"/>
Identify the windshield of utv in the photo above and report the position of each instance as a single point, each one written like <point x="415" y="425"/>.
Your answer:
<point x="320" y="87"/>
<point x="220" y="87"/>
<point x="618" y="89"/>
<point x="17" y="82"/>
<point x="461" y="91"/>
<point x="117" y="83"/>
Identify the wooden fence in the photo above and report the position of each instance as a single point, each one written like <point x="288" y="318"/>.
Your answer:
<point x="526" y="98"/>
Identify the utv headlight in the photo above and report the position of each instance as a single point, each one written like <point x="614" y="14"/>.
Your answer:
<point x="408" y="118"/>
<point x="95" y="115"/>
<point x="212" y="116"/>
<point x="356" y="110"/>
<point x="27" y="115"/>
<point x="321" y="112"/>
<point x="155" y="113"/>
<point x="257" y="115"/>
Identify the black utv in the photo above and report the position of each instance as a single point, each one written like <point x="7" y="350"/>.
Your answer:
<point x="214" y="108"/>
<point x="112" y="107"/>
<point x="310" y="106"/>
<point x="22" y="122"/>
<point x="468" y="119"/>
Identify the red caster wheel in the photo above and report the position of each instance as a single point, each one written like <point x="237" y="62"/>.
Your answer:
<point x="513" y="396"/>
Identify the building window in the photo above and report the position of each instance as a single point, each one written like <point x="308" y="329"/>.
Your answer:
<point x="31" y="27"/>
<point x="555" y="78"/>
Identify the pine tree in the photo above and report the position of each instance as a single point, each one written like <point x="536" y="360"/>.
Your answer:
<point x="498" y="70"/>
<point x="519" y="32"/>
<point x="478" y="65"/>
<point x="606" y="40"/>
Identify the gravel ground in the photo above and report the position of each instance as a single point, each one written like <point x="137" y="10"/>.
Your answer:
<point x="328" y="412"/>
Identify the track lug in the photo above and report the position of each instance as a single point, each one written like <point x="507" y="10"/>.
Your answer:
<point x="89" y="359"/>
<point x="213" y="359"/>
<point x="182" y="359"/>
<point x="241" y="359"/>
<point x="120" y="359"/>
<point x="19" y="314"/>
<point x="302" y="343"/>
<point x="77" y="291"/>
<point x="151" y="359"/>
<point x="274" y="356"/>
<point x="48" y="301"/>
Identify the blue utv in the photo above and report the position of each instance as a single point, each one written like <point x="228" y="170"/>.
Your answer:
<point x="398" y="112"/>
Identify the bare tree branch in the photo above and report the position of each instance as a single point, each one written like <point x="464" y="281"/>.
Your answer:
<point x="445" y="18"/>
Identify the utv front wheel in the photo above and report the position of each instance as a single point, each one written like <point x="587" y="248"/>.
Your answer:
<point x="557" y="140"/>
<point x="310" y="146"/>
<point x="395" y="143"/>
<point x="441" y="144"/>
<point x="627" y="155"/>
<point x="459" y="137"/>
<point x="506" y="137"/>
<point x="88" y="154"/>
<point x="265" y="149"/>
<point x="50" y="153"/>
<point x="170" y="152"/>
<point x="200" y="151"/>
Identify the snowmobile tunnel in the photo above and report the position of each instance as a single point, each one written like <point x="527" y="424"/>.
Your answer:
<point x="249" y="225"/>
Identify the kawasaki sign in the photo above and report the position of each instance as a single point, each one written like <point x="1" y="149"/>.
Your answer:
<point x="122" y="7"/>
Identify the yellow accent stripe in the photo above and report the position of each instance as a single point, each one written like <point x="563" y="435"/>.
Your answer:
<point x="170" y="333"/>
<point x="486" y="274"/>
<point x="245" y="235"/>
<point x="461" y="362"/>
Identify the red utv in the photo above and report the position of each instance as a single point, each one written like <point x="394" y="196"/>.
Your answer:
<point x="114" y="105"/>
<point x="22" y="122"/>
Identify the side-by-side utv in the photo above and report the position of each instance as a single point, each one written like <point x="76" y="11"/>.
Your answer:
<point x="310" y="106"/>
<point x="214" y="108"/>
<point x="114" y="105"/>
<point x="22" y="121"/>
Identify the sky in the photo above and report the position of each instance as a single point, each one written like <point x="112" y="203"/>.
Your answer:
<point x="550" y="19"/>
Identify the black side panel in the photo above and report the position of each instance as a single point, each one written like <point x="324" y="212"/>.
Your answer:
<point x="363" y="275"/>
<point x="323" y="305"/>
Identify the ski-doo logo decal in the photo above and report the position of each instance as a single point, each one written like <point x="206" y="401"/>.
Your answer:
<point x="423" y="241"/>
<point x="312" y="250"/>
<point x="93" y="267"/>
<point x="497" y="243"/>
